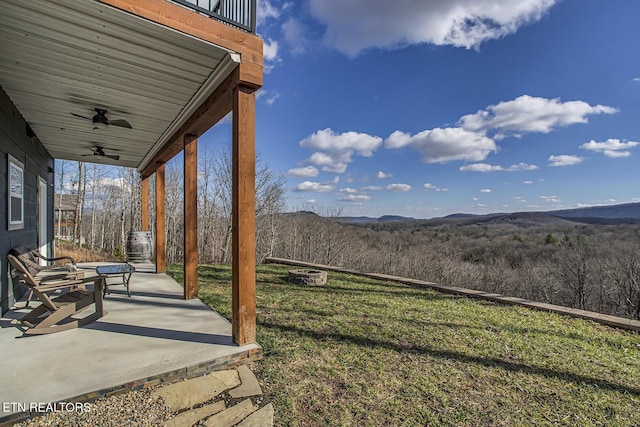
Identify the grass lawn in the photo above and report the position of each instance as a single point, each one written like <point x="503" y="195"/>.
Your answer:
<point x="365" y="352"/>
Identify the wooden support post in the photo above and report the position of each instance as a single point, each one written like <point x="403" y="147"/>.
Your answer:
<point x="190" y="216"/>
<point x="243" y="217"/>
<point x="144" y="204"/>
<point x="161" y="238"/>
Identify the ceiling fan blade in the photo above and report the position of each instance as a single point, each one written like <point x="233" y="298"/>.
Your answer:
<point x="82" y="117"/>
<point x="120" y="123"/>
<point x="111" y="156"/>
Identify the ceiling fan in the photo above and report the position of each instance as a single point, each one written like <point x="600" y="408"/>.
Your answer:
<point x="100" y="120"/>
<point x="99" y="151"/>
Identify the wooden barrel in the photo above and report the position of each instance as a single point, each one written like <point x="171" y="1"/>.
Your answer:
<point x="139" y="247"/>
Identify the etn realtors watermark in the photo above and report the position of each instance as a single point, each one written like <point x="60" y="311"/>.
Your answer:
<point x="45" y="407"/>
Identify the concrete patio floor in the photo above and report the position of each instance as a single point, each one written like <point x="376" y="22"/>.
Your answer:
<point x="151" y="337"/>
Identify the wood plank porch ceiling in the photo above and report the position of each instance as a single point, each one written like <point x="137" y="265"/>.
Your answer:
<point x="59" y="57"/>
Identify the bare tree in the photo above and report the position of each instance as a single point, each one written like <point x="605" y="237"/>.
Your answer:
<point x="576" y="268"/>
<point x="174" y="207"/>
<point x="62" y="164"/>
<point x="96" y="187"/>
<point x="269" y="204"/>
<point x="622" y="267"/>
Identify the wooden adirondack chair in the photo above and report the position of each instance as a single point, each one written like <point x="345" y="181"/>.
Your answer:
<point x="55" y="313"/>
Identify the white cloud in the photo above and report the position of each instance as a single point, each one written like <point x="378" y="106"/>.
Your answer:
<point x="527" y="182"/>
<point x="475" y="199"/>
<point x="270" y="50"/>
<point x="485" y="167"/>
<point x="564" y="160"/>
<point x="311" y="201"/>
<point x="327" y="140"/>
<point x="481" y="167"/>
<point x="355" y="198"/>
<point x="348" y="190"/>
<point x="551" y="199"/>
<point x="108" y="182"/>
<point x="270" y="96"/>
<point x="636" y="79"/>
<point x="335" y="151"/>
<point x="315" y="186"/>
<point x="470" y="142"/>
<point x="485" y="190"/>
<point x="611" y="147"/>
<point x="382" y="175"/>
<point x="305" y="172"/>
<point x="530" y="114"/>
<point x="320" y="159"/>
<point x="398" y="188"/>
<point x="522" y="167"/>
<point x="429" y="186"/>
<point x="265" y="11"/>
<point x="356" y="25"/>
<point x="295" y="34"/>
<point x="481" y="205"/>
<point x="372" y="188"/>
<point x="444" y="145"/>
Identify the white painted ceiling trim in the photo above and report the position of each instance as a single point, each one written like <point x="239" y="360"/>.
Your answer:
<point x="224" y="69"/>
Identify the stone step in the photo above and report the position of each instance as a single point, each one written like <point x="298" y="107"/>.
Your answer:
<point x="249" y="384"/>
<point x="231" y="416"/>
<point x="189" y="418"/>
<point x="240" y="383"/>
<point x="261" y="418"/>
<point x="189" y="393"/>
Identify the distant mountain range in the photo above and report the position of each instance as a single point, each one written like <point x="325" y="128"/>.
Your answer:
<point x="627" y="210"/>
<point x="366" y="219"/>
<point x="612" y="214"/>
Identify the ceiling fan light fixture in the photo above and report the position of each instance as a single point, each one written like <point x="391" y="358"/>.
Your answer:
<point x="100" y="117"/>
<point x="100" y="120"/>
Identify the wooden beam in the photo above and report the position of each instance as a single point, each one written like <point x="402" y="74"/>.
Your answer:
<point x="144" y="203"/>
<point x="190" y="217"/>
<point x="161" y="237"/>
<point x="248" y="45"/>
<point x="243" y="322"/>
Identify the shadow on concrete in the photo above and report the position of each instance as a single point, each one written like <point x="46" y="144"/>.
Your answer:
<point x="168" y="334"/>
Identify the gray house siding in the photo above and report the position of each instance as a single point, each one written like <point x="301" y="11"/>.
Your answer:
<point x="37" y="162"/>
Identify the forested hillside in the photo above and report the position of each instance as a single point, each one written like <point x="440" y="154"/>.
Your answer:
<point x="592" y="267"/>
<point x="534" y="255"/>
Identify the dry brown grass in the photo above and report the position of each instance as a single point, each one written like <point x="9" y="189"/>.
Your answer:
<point x="82" y="254"/>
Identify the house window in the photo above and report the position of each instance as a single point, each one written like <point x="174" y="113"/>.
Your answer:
<point x="16" y="194"/>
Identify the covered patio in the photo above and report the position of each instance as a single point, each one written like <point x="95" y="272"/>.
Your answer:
<point x="130" y="83"/>
<point x="154" y="336"/>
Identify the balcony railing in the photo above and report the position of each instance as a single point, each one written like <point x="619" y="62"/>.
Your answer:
<point x="238" y="13"/>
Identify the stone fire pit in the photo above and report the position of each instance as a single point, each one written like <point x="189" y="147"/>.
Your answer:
<point x="308" y="277"/>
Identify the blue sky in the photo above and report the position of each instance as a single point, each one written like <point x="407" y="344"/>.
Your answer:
<point x="427" y="108"/>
